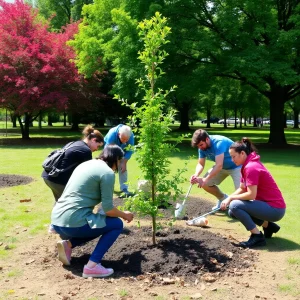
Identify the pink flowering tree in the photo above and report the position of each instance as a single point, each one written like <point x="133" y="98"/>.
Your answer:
<point x="36" y="68"/>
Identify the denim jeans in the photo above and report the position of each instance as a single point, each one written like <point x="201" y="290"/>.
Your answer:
<point x="81" y="235"/>
<point x="252" y="213"/>
<point x="123" y="177"/>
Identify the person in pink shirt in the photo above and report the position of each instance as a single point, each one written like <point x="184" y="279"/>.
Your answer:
<point x="258" y="200"/>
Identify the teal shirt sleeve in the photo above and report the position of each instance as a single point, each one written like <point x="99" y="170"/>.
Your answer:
<point x="107" y="190"/>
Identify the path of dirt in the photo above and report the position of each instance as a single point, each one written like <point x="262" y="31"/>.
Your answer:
<point x="187" y="263"/>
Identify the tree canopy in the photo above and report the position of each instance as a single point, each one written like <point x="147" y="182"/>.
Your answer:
<point x="252" y="41"/>
<point x="60" y="12"/>
<point x="36" y="71"/>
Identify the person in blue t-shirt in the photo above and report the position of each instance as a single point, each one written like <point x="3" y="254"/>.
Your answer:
<point x="214" y="148"/>
<point x="122" y="136"/>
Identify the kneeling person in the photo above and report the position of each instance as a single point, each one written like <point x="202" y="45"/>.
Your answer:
<point x="258" y="200"/>
<point x="91" y="183"/>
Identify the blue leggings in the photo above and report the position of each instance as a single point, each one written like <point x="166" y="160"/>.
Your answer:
<point x="81" y="235"/>
<point x="252" y="213"/>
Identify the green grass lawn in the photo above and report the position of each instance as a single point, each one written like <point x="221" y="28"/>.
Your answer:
<point x="20" y="219"/>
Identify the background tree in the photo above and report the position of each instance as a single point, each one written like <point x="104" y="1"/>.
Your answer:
<point x="36" y="73"/>
<point x="295" y="107"/>
<point x="251" y="41"/>
<point x="61" y="12"/>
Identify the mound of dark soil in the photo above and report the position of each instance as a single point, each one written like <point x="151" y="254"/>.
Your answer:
<point x="180" y="251"/>
<point x="13" y="180"/>
<point x="185" y="252"/>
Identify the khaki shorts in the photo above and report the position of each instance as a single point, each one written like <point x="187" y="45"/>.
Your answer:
<point x="234" y="173"/>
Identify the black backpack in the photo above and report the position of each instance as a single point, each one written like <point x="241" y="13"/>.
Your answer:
<point x="54" y="158"/>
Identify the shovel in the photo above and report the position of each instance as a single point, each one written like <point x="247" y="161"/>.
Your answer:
<point x="194" y="221"/>
<point x="180" y="208"/>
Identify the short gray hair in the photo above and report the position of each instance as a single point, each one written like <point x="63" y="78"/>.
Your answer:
<point x="125" y="131"/>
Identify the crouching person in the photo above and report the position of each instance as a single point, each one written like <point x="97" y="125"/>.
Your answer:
<point x="258" y="200"/>
<point x="73" y="218"/>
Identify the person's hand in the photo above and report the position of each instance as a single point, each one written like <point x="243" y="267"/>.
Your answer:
<point x="193" y="179"/>
<point x="128" y="217"/>
<point x="225" y="203"/>
<point x="201" y="182"/>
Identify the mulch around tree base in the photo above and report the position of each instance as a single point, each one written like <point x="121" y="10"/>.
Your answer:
<point x="180" y="252"/>
<point x="184" y="252"/>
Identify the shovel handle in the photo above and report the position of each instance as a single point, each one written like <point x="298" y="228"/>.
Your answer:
<point x="197" y="218"/>
<point x="187" y="194"/>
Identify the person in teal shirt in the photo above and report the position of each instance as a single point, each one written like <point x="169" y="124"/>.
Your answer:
<point x="122" y="136"/>
<point x="216" y="149"/>
<point x="73" y="216"/>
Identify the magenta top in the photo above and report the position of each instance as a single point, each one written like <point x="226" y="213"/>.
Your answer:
<point x="255" y="173"/>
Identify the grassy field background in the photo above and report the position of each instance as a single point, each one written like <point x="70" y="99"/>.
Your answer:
<point x="33" y="217"/>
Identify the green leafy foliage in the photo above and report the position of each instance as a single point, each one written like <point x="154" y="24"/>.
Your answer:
<point x="154" y="117"/>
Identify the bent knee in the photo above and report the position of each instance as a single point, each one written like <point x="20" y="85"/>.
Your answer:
<point x="119" y="223"/>
<point x="234" y="204"/>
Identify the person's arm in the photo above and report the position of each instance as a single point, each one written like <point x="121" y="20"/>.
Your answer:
<point x="240" y="194"/>
<point x="199" y="169"/>
<point x="107" y="188"/>
<point x="125" y="215"/>
<point x="247" y="194"/>
<point x="123" y="165"/>
<point x="128" y="150"/>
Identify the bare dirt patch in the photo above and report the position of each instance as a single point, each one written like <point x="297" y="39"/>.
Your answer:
<point x="7" y="180"/>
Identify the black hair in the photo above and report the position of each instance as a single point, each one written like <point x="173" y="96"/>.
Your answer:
<point x="244" y="145"/>
<point x="111" y="154"/>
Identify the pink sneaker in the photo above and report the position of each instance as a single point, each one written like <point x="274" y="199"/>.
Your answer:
<point x="64" y="252"/>
<point x="97" y="271"/>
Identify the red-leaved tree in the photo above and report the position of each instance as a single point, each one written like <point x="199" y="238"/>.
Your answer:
<point x="36" y="68"/>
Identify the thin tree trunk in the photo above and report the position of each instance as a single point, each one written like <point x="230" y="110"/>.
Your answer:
<point x="65" y="119"/>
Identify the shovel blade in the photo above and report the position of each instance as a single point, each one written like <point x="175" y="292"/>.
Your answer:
<point x="179" y="211"/>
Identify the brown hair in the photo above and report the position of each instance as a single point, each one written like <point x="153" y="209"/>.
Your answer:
<point x="89" y="132"/>
<point x="199" y="135"/>
<point x="244" y="145"/>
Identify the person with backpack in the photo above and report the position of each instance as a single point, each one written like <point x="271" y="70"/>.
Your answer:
<point x="74" y="217"/>
<point x="77" y="153"/>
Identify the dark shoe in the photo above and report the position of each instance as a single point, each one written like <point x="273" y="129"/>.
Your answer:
<point x="255" y="240"/>
<point x="272" y="228"/>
